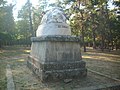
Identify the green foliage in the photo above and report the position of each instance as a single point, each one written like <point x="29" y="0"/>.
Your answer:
<point x="5" y="38"/>
<point x="115" y="27"/>
<point x="117" y="3"/>
<point x="6" y="19"/>
<point x="24" y="12"/>
<point x="94" y="2"/>
<point x="6" y="23"/>
<point x="89" y="19"/>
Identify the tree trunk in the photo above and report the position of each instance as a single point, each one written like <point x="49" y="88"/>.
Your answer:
<point x="0" y="45"/>
<point x="93" y="31"/>
<point x="30" y="19"/>
<point x="83" y="41"/>
<point x="102" y="43"/>
<point x="94" y="41"/>
<point x="116" y="47"/>
<point x="83" y="29"/>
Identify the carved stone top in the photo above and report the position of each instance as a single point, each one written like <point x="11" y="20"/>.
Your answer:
<point x="53" y="23"/>
<point x="54" y="15"/>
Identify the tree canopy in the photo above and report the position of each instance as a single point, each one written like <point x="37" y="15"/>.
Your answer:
<point x="91" y="20"/>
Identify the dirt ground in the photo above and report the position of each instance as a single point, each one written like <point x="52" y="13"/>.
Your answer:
<point x="107" y="63"/>
<point x="8" y="55"/>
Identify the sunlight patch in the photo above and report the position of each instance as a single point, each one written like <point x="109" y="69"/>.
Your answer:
<point x="27" y="51"/>
<point x="86" y="57"/>
<point x="21" y="60"/>
<point x="1" y="52"/>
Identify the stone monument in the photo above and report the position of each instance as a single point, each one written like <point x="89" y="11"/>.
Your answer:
<point x="55" y="54"/>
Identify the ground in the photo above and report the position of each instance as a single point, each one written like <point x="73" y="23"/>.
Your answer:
<point x="107" y="63"/>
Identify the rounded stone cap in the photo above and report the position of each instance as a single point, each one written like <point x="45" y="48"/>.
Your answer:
<point x="53" y="23"/>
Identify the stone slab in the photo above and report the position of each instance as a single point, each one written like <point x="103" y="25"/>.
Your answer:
<point x="57" y="38"/>
<point x="54" y="75"/>
<point x="56" y="65"/>
<point x="63" y="48"/>
<point x="10" y="83"/>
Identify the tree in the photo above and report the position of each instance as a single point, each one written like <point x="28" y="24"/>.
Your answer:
<point x="80" y="18"/>
<point x="115" y="25"/>
<point x="6" y="21"/>
<point x="22" y="34"/>
<point x="30" y="18"/>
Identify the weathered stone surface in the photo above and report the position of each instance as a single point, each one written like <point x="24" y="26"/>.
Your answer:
<point x="56" y="50"/>
<point x="10" y="82"/>
<point x="57" y="57"/>
<point x="58" y="38"/>
<point x="54" y="53"/>
<point x="53" y="23"/>
<point x="54" y="75"/>
<point x="67" y="80"/>
<point x="57" y="65"/>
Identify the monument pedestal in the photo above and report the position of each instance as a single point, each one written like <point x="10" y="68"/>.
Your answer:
<point x="56" y="57"/>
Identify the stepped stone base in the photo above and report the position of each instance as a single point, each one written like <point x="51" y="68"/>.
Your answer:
<point x="56" y="57"/>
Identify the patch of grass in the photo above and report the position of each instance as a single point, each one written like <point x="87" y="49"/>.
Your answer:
<point x="7" y="55"/>
<point x="13" y="51"/>
<point x="3" y="84"/>
<point x="3" y="81"/>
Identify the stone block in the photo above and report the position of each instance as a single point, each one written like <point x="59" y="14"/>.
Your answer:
<point x="56" y="57"/>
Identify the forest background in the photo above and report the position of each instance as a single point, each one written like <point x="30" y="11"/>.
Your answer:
<point x="93" y="21"/>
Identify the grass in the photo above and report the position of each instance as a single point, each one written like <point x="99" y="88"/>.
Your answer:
<point x="13" y="51"/>
<point x="2" y="75"/>
<point x="8" y="55"/>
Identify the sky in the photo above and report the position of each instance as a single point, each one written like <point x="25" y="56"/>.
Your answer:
<point x="20" y="3"/>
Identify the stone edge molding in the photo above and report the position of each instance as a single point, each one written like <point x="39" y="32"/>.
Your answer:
<point x="64" y="38"/>
<point x="10" y="83"/>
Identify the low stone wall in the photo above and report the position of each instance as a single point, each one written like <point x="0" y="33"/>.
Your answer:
<point x="56" y="57"/>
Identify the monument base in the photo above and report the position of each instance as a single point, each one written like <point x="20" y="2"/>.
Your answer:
<point x="56" y="58"/>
